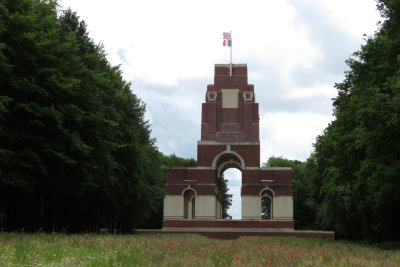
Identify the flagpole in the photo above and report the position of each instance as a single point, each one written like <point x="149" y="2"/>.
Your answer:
<point x="230" y="69"/>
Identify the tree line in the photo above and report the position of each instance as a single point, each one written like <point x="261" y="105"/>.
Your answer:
<point x="351" y="182"/>
<point x="75" y="149"/>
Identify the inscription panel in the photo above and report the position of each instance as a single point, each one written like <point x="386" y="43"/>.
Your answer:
<point x="230" y="98"/>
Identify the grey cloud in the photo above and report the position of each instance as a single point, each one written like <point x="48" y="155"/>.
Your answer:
<point x="273" y="92"/>
<point x="121" y="54"/>
<point x="172" y="121"/>
<point x="335" y="44"/>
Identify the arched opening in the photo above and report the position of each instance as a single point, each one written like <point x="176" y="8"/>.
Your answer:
<point x="189" y="200"/>
<point x="228" y="165"/>
<point x="233" y="178"/>
<point x="266" y="208"/>
<point x="267" y="197"/>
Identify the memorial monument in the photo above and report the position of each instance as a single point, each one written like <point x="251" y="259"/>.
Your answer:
<point x="229" y="139"/>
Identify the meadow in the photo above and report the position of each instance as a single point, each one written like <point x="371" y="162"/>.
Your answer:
<point x="185" y="250"/>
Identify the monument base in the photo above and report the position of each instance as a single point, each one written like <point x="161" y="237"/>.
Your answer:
<point x="233" y="229"/>
<point x="285" y="225"/>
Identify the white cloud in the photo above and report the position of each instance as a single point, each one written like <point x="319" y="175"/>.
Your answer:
<point x="165" y="41"/>
<point x="356" y="17"/>
<point x="290" y="134"/>
<point x="322" y="90"/>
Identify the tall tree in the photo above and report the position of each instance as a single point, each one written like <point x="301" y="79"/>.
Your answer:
<point x="76" y="152"/>
<point x="226" y="199"/>
<point x="357" y="155"/>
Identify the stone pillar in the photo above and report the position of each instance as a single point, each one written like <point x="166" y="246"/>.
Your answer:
<point x="173" y="207"/>
<point x="282" y="208"/>
<point x="206" y="207"/>
<point x="251" y="208"/>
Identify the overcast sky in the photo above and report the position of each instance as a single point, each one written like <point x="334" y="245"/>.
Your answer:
<point x="295" y="51"/>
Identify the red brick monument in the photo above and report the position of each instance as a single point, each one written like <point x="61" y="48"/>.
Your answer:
<point x="229" y="139"/>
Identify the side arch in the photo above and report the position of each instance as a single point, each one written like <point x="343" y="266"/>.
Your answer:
<point x="189" y="200"/>
<point x="267" y="191"/>
<point x="267" y="199"/>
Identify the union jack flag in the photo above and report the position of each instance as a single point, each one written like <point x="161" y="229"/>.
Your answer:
<point x="227" y="36"/>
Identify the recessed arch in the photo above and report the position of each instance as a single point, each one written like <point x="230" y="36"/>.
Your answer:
<point x="226" y="160"/>
<point x="189" y="188"/>
<point x="267" y="199"/>
<point x="267" y="191"/>
<point x="189" y="200"/>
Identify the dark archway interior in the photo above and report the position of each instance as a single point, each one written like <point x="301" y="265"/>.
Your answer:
<point x="266" y="204"/>
<point x="226" y="161"/>
<point x="189" y="204"/>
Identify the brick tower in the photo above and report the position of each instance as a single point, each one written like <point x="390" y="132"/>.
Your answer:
<point x="229" y="139"/>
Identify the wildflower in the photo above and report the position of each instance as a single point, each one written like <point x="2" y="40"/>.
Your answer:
<point x="280" y="244"/>
<point x="237" y="259"/>
<point x="212" y="247"/>
<point x="338" y="256"/>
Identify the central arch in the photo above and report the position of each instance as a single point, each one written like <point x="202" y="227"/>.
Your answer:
<point x="233" y="178"/>
<point x="226" y="160"/>
<point x="222" y="162"/>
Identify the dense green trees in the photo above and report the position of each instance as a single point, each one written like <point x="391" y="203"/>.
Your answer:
<point x="351" y="183"/>
<point x="75" y="149"/>
<point x="358" y="154"/>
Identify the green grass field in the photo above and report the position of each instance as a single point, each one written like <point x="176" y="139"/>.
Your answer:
<point x="185" y="250"/>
